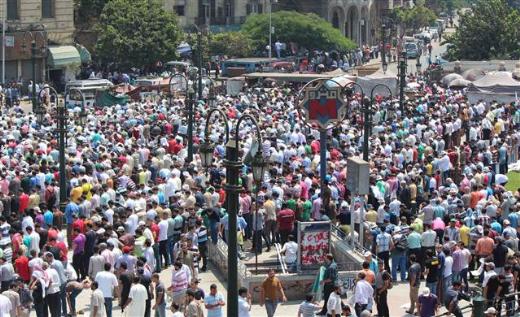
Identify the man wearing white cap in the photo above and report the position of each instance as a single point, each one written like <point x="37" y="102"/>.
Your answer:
<point x="427" y="304"/>
<point x="490" y="312"/>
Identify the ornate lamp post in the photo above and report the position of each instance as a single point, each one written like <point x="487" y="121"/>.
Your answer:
<point x="34" y="35"/>
<point x="185" y="87"/>
<point x="61" y="129"/>
<point x="83" y="112"/>
<point x="233" y="165"/>
<point x="402" y="80"/>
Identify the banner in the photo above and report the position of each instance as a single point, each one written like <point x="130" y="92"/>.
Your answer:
<point x="314" y="244"/>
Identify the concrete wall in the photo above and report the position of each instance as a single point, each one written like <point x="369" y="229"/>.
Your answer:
<point x="296" y="286"/>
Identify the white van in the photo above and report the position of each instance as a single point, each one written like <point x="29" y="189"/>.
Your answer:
<point x="88" y="87"/>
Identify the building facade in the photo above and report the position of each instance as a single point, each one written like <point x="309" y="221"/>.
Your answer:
<point x="359" y="20"/>
<point x="50" y="23"/>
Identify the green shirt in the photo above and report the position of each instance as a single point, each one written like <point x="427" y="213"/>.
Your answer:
<point x="291" y="204"/>
<point x="307" y="207"/>
<point x="414" y="240"/>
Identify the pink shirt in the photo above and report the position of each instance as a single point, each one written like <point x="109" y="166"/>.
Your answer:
<point x="179" y="280"/>
<point x="438" y="224"/>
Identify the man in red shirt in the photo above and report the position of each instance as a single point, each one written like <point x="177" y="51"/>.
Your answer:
<point x="285" y="220"/>
<point x="21" y="266"/>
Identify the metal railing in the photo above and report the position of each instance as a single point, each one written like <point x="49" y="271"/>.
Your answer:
<point x="283" y="265"/>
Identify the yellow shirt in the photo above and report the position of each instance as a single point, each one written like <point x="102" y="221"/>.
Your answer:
<point x="86" y="190"/>
<point x="34" y="200"/>
<point x="76" y="193"/>
<point x="371" y="216"/>
<point x="464" y="235"/>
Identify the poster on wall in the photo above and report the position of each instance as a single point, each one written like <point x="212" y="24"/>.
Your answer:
<point x="314" y="244"/>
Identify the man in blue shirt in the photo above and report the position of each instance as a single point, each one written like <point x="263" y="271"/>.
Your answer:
<point x="214" y="302"/>
<point x="71" y="209"/>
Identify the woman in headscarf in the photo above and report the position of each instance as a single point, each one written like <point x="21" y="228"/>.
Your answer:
<point x="39" y="282"/>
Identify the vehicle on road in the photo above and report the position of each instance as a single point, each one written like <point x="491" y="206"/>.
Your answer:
<point x="412" y="50"/>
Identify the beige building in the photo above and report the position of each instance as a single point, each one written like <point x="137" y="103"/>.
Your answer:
<point x="50" y="23"/>
<point x="358" y="20"/>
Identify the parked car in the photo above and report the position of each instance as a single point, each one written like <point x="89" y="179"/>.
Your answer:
<point x="412" y="50"/>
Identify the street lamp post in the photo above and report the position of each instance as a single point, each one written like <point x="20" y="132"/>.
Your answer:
<point x="402" y="81"/>
<point x="233" y="165"/>
<point x="61" y="128"/>
<point x="185" y="88"/>
<point x="418" y="63"/>
<point x="372" y="103"/>
<point x="33" y="35"/>
<point x="383" y="48"/>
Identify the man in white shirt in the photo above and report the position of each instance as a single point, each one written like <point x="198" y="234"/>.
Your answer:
<point x="364" y="293"/>
<point x="334" y="303"/>
<point x="97" y="302"/>
<point x="244" y="302"/>
<point x="290" y="250"/>
<point x="5" y="306"/>
<point x="107" y="282"/>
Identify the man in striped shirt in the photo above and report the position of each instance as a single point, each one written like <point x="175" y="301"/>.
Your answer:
<point x="202" y="238"/>
<point x="308" y="308"/>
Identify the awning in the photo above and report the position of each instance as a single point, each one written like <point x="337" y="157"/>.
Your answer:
<point x="84" y="54"/>
<point x="63" y="56"/>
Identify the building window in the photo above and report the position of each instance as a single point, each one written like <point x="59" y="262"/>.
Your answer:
<point x="13" y="10"/>
<point x="48" y="11"/>
<point x="179" y="10"/>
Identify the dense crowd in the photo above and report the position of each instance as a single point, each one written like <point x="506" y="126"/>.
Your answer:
<point x="437" y="207"/>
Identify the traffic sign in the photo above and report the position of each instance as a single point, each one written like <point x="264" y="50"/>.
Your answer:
<point x="323" y="104"/>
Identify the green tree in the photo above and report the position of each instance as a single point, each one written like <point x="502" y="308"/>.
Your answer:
<point x="489" y="30"/>
<point x="233" y="44"/>
<point x="88" y="11"/>
<point x="416" y="17"/>
<point x="306" y="30"/>
<point x="136" y="33"/>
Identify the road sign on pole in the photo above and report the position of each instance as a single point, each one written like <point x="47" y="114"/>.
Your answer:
<point x="323" y="104"/>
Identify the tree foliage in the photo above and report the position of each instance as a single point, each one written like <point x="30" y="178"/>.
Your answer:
<point x="89" y="10"/>
<point x="489" y="30"/>
<point x="232" y="44"/>
<point x="416" y="17"/>
<point x="136" y="33"/>
<point x="306" y="30"/>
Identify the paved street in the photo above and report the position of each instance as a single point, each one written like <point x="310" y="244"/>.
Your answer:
<point x="397" y="299"/>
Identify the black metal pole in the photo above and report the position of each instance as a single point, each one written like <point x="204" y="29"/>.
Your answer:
<point x="232" y="165"/>
<point x="383" y="48"/>
<point x="366" y="132"/>
<point x="402" y="84"/>
<point x="62" y="121"/>
<point x="35" y="108"/>
<point x="191" y="101"/>
<point x="199" y="46"/>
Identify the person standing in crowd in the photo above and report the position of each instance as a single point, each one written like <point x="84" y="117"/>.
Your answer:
<point x="214" y="302"/>
<point x="382" y="285"/>
<point x="159" y="306"/>
<point x="427" y="303"/>
<point x="363" y="293"/>
<point x="334" y="303"/>
<point x="107" y="283"/>
<point x="136" y="302"/>
<point x="309" y="307"/>
<point x="414" y="275"/>
<point x="244" y="302"/>
<point x="97" y="302"/>
<point x="271" y="293"/>
<point x="329" y="280"/>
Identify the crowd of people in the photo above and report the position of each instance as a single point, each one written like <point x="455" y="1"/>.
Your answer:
<point x="437" y="207"/>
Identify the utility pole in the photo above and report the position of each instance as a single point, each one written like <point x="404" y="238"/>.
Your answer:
<point x="270" y="52"/>
<point x="402" y="80"/>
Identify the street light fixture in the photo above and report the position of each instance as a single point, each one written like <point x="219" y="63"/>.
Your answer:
<point x="34" y="35"/>
<point x="83" y="112"/>
<point x="185" y="88"/>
